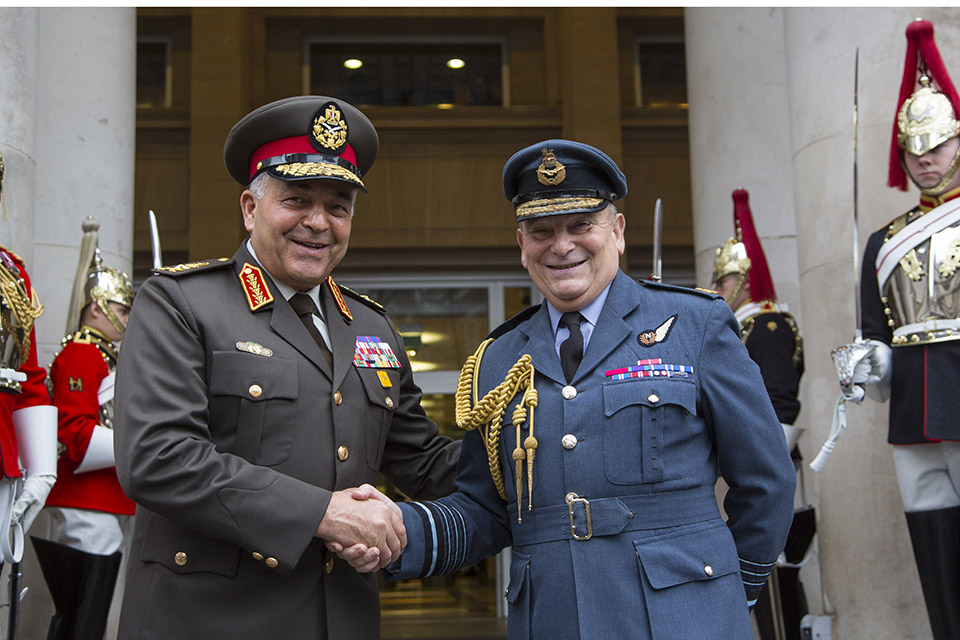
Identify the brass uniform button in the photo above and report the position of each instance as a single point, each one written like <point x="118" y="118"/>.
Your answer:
<point x="272" y="563"/>
<point x="569" y="441"/>
<point x="343" y="453"/>
<point x="707" y="569"/>
<point x="328" y="567"/>
<point x="180" y="558"/>
<point x="653" y="398"/>
<point x="389" y="402"/>
<point x="255" y="391"/>
<point x="569" y="392"/>
<point x="337" y="398"/>
<point x="257" y="556"/>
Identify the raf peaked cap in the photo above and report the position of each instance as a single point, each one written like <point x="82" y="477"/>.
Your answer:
<point x="556" y="177"/>
<point x="302" y="138"/>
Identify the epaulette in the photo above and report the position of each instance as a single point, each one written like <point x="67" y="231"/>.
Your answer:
<point x="706" y="293"/>
<point x="897" y="225"/>
<point x="370" y="302"/>
<point x="193" y="267"/>
<point x="512" y="322"/>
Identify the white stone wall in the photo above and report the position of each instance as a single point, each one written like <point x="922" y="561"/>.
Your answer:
<point x="67" y="135"/>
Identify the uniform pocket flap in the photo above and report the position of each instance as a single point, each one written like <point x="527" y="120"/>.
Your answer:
<point x="518" y="576"/>
<point x="381" y="386"/>
<point x="652" y="393"/>
<point x="700" y="554"/>
<point x="253" y="377"/>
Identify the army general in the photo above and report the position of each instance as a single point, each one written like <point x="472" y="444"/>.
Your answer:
<point x="253" y="392"/>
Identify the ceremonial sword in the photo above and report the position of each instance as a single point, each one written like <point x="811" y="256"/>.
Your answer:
<point x="155" y="240"/>
<point x="657" y="242"/>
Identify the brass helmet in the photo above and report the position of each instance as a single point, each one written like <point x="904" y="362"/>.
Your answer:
<point x="743" y="255"/>
<point x="928" y="107"/>
<point x="97" y="282"/>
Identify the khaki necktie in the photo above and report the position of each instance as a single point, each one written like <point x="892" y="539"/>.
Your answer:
<point x="306" y="309"/>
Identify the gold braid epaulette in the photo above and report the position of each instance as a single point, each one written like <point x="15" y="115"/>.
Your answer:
<point x="489" y="411"/>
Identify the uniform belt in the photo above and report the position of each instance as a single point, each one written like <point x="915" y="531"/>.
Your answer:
<point x="932" y="330"/>
<point x="581" y="518"/>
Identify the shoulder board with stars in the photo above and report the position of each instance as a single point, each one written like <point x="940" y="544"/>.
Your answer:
<point x="706" y="293"/>
<point x="192" y="267"/>
<point x="513" y="322"/>
<point x="370" y="302"/>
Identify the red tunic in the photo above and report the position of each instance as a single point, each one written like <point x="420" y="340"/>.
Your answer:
<point x="34" y="389"/>
<point x="76" y="374"/>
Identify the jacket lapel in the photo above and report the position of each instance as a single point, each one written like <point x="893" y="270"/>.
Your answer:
<point x="612" y="328"/>
<point x="342" y="334"/>
<point x="283" y="319"/>
<point x="540" y="340"/>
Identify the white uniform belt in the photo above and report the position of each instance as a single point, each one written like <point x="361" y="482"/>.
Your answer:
<point x="13" y="374"/>
<point x="932" y="330"/>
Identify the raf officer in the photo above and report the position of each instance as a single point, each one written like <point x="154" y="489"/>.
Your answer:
<point x="601" y="419"/>
<point x="253" y="392"/>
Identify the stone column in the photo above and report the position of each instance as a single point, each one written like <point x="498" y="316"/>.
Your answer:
<point x="85" y="138"/>
<point x="801" y="61"/>
<point x="18" y="85"/>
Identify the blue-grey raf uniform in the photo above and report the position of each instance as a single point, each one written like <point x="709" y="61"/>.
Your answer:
<point x="621" y="535"/>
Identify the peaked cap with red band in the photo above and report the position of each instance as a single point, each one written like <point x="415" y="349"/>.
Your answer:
<point x="743" y="253"/>
<point x="302" y="138"/>
<point x="923" y="60"/>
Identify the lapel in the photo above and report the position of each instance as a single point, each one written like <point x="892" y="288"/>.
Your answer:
<point x="342" y="334"/>
<point x="283" y="320"/>
<point x="539" y="336"/>
<point x="612" y="328"/>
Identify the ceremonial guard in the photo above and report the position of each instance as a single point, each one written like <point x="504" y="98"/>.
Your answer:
<point x="28" y="423"/>
<point x="91" y="516"/>
<point x="598" y="423"/>
<point x="769" y="331"/>
<point x="910" y="301"/>
<point x="254" y="393"/>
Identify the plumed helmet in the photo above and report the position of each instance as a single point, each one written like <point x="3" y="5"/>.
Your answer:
<point x="928" y="105"/>
<point x="96" y="282"/>
<point x="743" y="254"/>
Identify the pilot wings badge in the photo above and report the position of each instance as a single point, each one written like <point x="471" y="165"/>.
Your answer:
<point x="655" y="336"/>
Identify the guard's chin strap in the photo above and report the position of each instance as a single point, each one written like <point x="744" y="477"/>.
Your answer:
<point x="941" y="186"/>
<point x="487" y="414"/>
<point x="111" y="316"/>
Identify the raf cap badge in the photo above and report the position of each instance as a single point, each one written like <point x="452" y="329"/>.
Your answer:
<point x="550" y="173"/>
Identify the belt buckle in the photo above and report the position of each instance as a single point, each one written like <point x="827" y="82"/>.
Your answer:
<point x="573" y="499"/>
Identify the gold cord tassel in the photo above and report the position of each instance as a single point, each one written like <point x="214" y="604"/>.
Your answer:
<point x="24" y="307"/>
<point x="487" y="414"/>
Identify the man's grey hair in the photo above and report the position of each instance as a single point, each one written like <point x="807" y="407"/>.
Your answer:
<point x="258" y="187"/>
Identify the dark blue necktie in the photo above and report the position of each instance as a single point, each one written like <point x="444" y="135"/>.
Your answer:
<point x="571" y="350"/>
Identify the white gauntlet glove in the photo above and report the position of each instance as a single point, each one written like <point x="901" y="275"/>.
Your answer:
<point x="37" y="441"/>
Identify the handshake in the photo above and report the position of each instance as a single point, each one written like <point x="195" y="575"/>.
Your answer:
<point x="363" y="527"/>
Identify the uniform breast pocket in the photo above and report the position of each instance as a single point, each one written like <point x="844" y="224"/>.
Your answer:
<point x="255" y="398"/>
<point x="383" y="395"/>
<point x="644" y="424"/>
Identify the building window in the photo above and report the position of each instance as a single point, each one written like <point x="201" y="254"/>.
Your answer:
<point x="420" y="72"/>
<point x="660" y="72"/>
<point x="154" y="73"/>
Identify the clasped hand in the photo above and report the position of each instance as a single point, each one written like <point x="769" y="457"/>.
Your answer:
<point x="363" y="527"/>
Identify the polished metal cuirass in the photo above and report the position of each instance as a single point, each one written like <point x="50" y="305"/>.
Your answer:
<point x="922" y="295"/>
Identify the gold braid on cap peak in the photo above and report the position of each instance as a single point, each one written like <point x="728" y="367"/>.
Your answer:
<point x="489" y="411"/>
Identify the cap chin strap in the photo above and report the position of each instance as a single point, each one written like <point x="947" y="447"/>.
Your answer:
<point x="111" y="316"/>
<point x="941" y="186"/>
